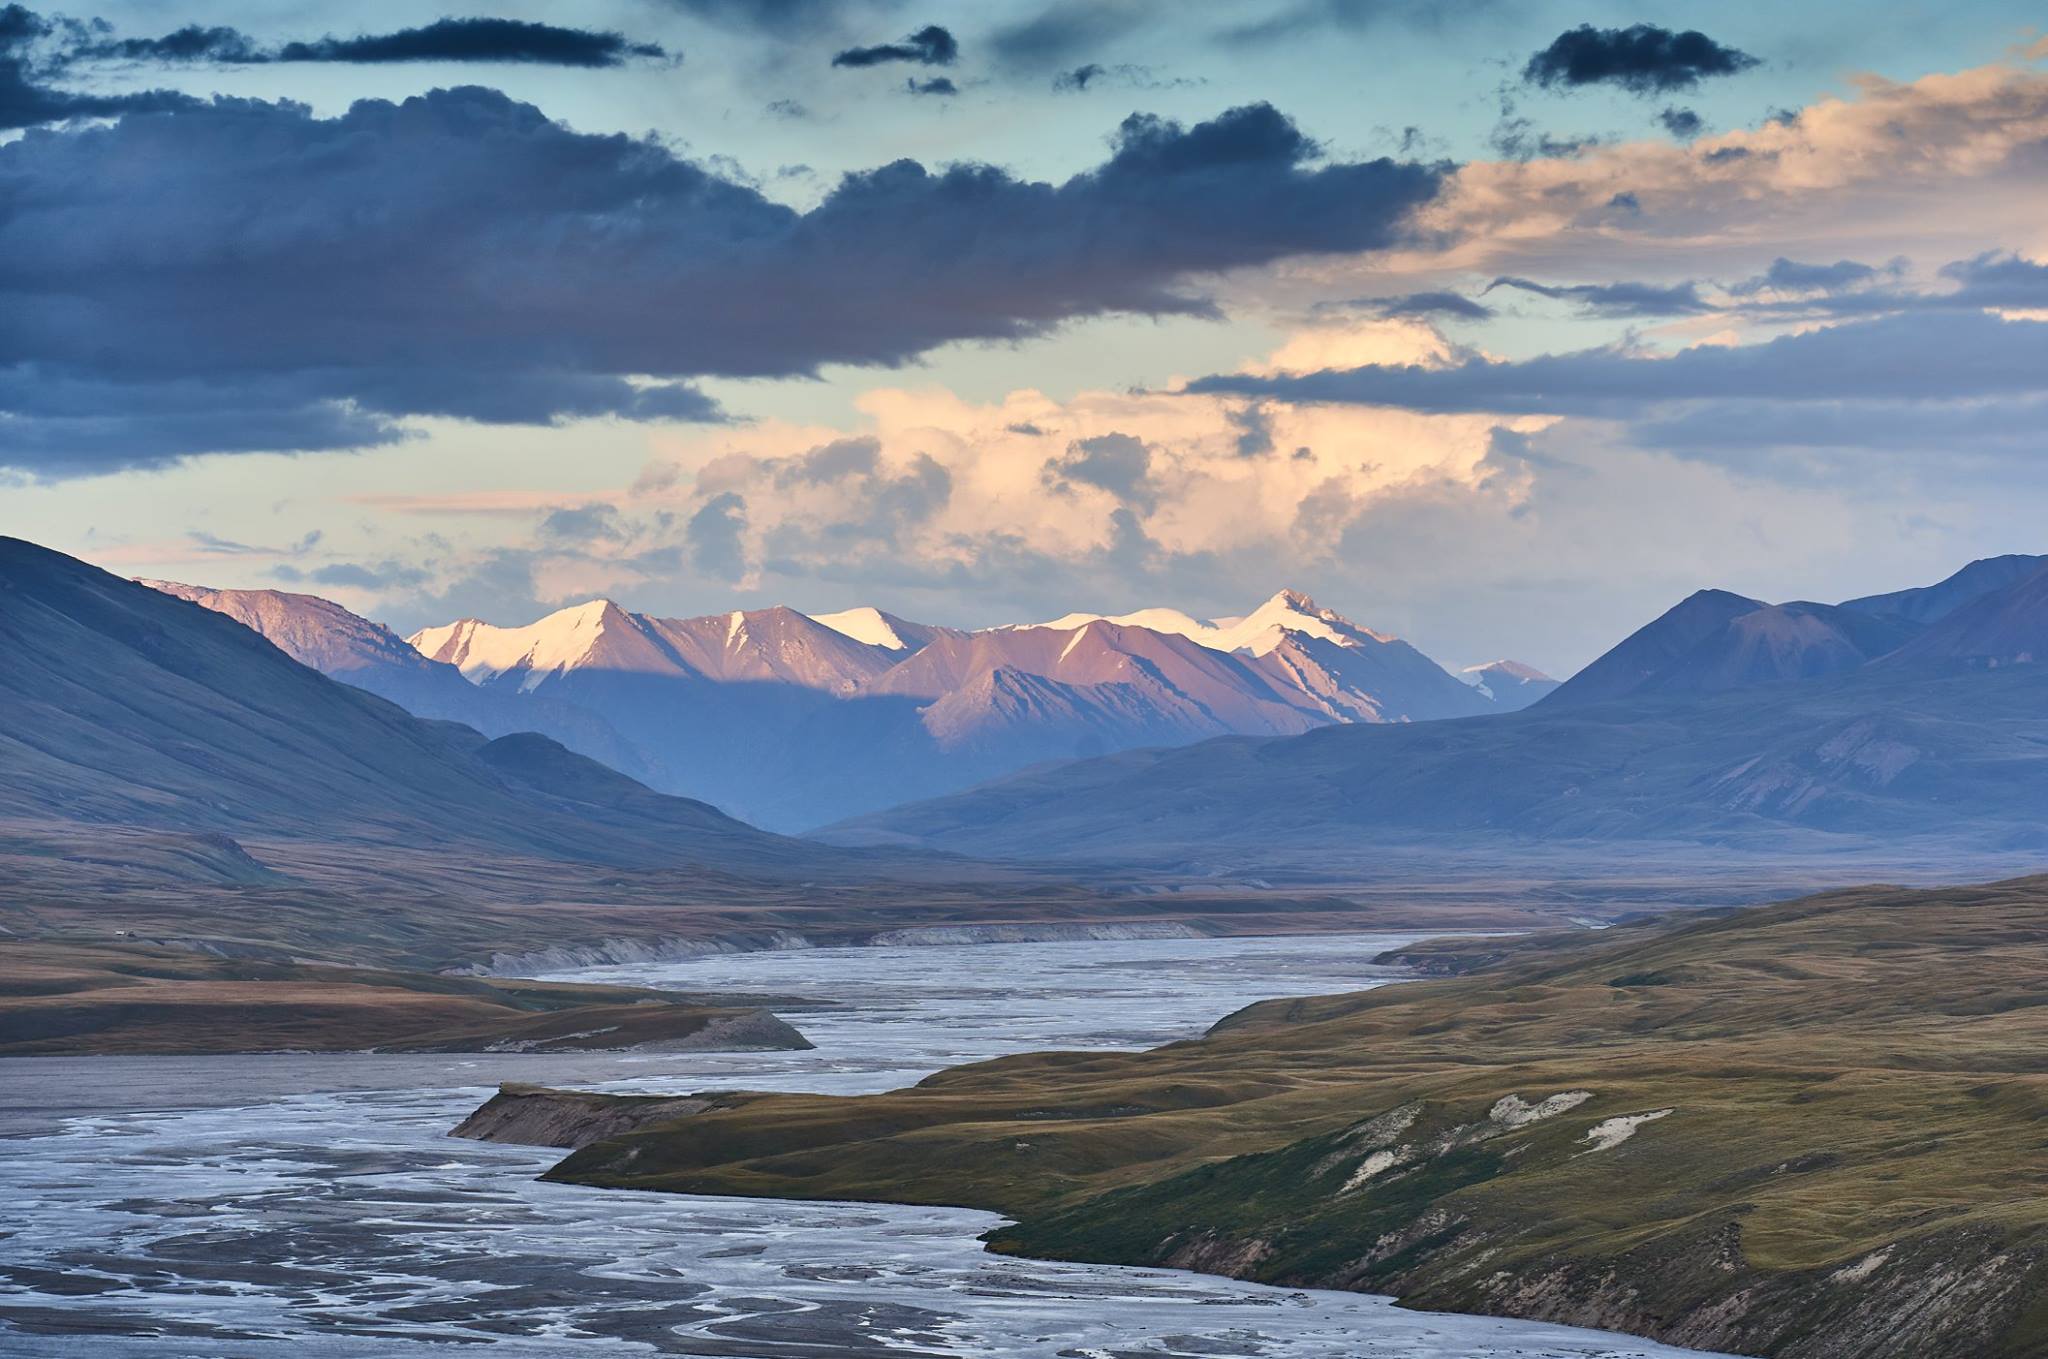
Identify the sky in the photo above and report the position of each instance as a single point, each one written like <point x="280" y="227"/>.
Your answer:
<point x="1498" y="326"/>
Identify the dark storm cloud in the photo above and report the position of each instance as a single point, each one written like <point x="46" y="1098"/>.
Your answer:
<point x="1642" y="59"/>
<point x="190" y="43"/>
<point x="929" y="46"/>
<point x="27" y="65"/>
<point x="244" y="275"/>
<point x="515" y="41"/>
<point x="1938" y="357"/>
<point x="1615" y="299"/>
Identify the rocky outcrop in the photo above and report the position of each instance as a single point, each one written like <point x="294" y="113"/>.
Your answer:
<point x="535" y="1116"/>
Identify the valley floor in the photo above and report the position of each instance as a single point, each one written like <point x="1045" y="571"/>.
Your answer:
<point x="243" y="1207"/>
<point x="1810" y="1130"/>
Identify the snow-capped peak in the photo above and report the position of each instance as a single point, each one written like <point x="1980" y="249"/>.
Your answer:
<point x="1260" y="631"/>
<point x="1512" y="669"/>
<point x="549" y="646"/>
<point x="865" y="624"/>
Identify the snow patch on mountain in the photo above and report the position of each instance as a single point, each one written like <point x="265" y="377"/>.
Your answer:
<point x="1257" y="632"/>
<point x="542" y="649"/>
<point x="866" y="624"/>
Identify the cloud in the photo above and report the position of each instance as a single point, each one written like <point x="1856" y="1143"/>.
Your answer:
<point x="1065" y="30"/>
<point x="1996" y="281"/>
<point x="1431" y="303"/>
<point x="445" y="39"/>
<point x="1027" y="496"/>
<point x="715" y="537"/>
<point x="1115" y="462"/>
<point x="1081" y="77"/>
<point x="1356" y="16"/>
<point x="1615" y="299"/>
<point x="1959" y="356"/>
<point x="27" y="99"/>
<point x="1786" y="275"/>
<point x="353" y="576"/>
<point x="582" y="524"/>
<point x="1944" y="164"/>
<point x="929" y="46"/>
<point x="1642" y="59"/>
<point x="1123" y="75"/>
<point x="938" y="85"/>
<point x="1520" y="139"/>
<point x="782" y="18"/>
<point x="514" y="41"/>
<point x="245" y="275"/>
<point x="1683" y="124"/>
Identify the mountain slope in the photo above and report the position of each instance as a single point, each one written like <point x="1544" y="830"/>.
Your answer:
<point x="1648" y="651"/>
<point x="1932" y="603"/>
<point x="167" y="774"/>
<point x="342" y="645"/>
<point x="1779" y="643"/>
<point x="1887" y="756"/>
<point x="876" y="628"/>
<point x="1346" y="672"/>
<point x="2007" y="626"/>
<point x="793" y="721"/>
<point x="127" y="706"/>
<point x="1510" y="684"/>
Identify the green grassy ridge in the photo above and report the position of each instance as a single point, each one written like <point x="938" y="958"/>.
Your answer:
<point x="1856" y="1076"/>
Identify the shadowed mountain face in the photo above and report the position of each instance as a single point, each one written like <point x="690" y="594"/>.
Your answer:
<point x="322" y="634"/>
<point x="792" y="721"/>
<point x="1511" y="685"/>
<point x="1759" y="728"/>
<point x="1715" y="641"/>
<point x="1653" y="650"/>
<point x="2004" y="627"/>
<point x="1932" y="603"/>
<point x="167" y="773"/>
<point x="127" y="707"/>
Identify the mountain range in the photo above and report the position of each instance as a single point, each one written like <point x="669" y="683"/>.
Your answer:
<point x="166" y="772"/>
<point x="792" y="721"/>
<point x="1915" y="724"/>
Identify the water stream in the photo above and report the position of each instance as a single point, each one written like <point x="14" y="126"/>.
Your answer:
<point x="312" y="1207"/>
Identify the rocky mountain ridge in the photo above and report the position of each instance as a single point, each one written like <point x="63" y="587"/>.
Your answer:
<point x="792" y="721"/>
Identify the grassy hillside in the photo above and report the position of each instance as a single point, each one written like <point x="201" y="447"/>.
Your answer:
<point x="1817" y="1129"/>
